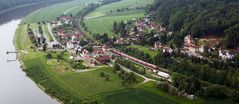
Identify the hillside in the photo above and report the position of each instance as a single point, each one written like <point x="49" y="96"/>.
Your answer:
<point x="6" y="4"/>
<point x="199" y="17"/>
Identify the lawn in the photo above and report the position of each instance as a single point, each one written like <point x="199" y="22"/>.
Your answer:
<point x="22" y="41"/>
<point x="104" y="24"/>
<point x="136" y="96"/>
<point x="101" y="20"/>
<point x="145" y="94"/>
<point x="71" y="7"/>
<point x="91" y="83"/>
<point x="145" y="49"/>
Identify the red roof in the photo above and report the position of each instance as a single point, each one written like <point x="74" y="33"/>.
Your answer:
<point x="103" y="58"/>
<point x="98" y="51"/>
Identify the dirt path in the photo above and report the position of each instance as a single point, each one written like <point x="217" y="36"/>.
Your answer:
<point x="145" y="78"/>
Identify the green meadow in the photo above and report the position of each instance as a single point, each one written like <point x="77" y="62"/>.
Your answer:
<point x="101" y="20"/>
<point x="52" y="12"/>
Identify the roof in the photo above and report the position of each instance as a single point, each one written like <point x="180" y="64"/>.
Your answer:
<point x="103" y="58"/>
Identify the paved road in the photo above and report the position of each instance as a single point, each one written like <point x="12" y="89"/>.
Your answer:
<point x="54" y="38"/>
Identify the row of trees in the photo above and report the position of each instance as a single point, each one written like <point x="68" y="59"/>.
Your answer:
<point x="135" y="52"/>
<point x="119" y="28"/>
<point x="128" y="78"/>
<point x="131" y="65"/>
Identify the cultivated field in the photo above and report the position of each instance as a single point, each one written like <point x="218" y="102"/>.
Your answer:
<point x="101" y="20"/>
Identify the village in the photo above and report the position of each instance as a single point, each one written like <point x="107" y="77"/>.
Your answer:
<point x="201" y="48"/>
<point x="66" y="37"/>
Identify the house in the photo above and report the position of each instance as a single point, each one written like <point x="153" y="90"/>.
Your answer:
<point x="75" y="37"/>
<point x="225" y="55"/>
<point x="70" y="45"/>
<point x="103" y="59"/>
<point x="162" y="29"/>
<point x="168" y="50"/>
<point x="100" y="54"/>
<point x="189" y="44"/>
<point x="157" y="45"/>
<point x="154" y="25"/>
<point x="87" y="57"/>
<point x="119" y="41"/>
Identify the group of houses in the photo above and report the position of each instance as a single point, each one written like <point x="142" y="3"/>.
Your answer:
<point x="191" y="47"/>
<point x="63" y="19"/>
<point x="99" y="55"/>
<point x="66" y="35"/>
<point x="137" y="29"/>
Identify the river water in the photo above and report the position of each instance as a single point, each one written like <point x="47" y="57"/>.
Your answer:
<point x="15" y="86"/>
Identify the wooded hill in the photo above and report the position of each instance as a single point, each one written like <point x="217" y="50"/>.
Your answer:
<point x="201" y="17"/>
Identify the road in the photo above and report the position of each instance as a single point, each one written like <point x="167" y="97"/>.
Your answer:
<point x="54" y="38"/>
<point x="145" y="78"/>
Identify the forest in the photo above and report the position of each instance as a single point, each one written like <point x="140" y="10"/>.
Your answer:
<point x="200" y="18"/>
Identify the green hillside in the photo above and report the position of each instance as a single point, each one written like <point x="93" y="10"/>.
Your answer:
<point x="6" y="4"/>
<point x="200" y="17"/>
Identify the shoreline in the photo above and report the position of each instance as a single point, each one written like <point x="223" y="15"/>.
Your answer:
<point x="22" y="66"/>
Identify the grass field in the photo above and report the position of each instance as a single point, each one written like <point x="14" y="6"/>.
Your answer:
<point x="101" y="20"/>
<point x="145" y="49"/>
<point x="146" y="94"/>
<point x="52" y="12"/>
<point x="90" y="83"/>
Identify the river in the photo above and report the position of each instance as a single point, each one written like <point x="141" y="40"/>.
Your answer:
<point x="15" y="86"/>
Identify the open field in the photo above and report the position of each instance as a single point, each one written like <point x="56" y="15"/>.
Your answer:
<point x="146" y="94"/>
<point x="105" y="23"/>
<point x="91" y="83"/>
<point x="101" y="20"/>
<point x="52" y="12"/>
<point x="145" y="49"/>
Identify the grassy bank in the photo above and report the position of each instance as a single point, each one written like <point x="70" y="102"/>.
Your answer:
<point x="52" y="12"/>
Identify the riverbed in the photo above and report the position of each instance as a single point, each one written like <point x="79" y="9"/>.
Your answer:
<point x="15" y="86"/>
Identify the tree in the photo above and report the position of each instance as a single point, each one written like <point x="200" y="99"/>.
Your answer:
<point x="102" y="74"/>
<point x="44" y="47"/>
<point x="59" y="56"/>
<point x="116" y="67"/>
<point x="172" y="90"/>
<point x="48" y="56"/>
<point x="115" y="26"/>
<point x="232" y="36"/>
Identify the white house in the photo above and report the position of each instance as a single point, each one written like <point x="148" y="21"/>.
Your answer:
<point x="225" y="55"/>
<point x="69" y="45"/>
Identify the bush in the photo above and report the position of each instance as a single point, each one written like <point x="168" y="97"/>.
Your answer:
<point x="163" y="86"/>
<point x="172" y="90"/>
<point x="48" y="56"/>
<point x="102" y="74"/>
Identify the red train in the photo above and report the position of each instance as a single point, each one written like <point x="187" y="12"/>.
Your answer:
<point x="138" y="61"/>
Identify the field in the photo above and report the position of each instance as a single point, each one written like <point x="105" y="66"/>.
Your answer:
<point x="52" y="12"/>
<point x="146" y="94"/>
<point x="101" y="20"/>
<point x="145" y="49"/>
<point x="90" y="83"/>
